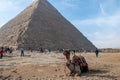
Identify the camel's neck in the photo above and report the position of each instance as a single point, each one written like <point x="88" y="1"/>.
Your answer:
<point x="68" y="58"/>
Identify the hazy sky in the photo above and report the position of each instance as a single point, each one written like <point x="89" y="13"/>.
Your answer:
<point x="98" y="20"/>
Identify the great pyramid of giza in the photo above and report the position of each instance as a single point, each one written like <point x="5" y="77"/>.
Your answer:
<point x="41" y="25"/>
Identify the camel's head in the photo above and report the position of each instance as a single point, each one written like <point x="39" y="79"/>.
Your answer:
<point x="66" y="53"/>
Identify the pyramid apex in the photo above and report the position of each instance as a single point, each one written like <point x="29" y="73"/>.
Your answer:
<point x="39" y="0"/>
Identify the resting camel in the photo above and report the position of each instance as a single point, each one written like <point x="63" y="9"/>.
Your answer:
<point x="76" y="65"/>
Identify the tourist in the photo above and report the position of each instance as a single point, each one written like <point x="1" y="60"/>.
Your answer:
<point x="22" y="52"/>
<point x="46" y="51"/>
<point x="41" y="50"/>
<point x="11" y="50"/>
<point x="96" y="52"/>
<point x="1" y="52"/>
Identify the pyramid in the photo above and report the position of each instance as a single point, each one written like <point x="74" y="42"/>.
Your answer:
<point x="41" y="25"/>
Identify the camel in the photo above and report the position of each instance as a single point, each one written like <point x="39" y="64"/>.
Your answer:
<point x="76" y="65"/>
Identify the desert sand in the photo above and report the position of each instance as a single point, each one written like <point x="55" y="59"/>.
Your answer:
<point x="37" y="66"/>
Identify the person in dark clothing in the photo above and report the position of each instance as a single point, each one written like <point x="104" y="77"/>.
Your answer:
<point x="96" y="52"/>
<point x="41" y="50"/>
<point x="22" y="52"/>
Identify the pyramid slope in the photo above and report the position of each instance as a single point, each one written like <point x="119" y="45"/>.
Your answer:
<point x="45" y="27"/>
<point x="16" y="27"/>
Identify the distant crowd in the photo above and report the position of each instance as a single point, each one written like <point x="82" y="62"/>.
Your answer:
<point x="9" y="50"/>
<point x="5" y="50"/>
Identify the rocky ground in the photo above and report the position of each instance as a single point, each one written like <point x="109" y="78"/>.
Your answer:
<point x="36" y="66"/>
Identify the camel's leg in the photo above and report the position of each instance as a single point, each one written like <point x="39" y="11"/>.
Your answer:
<point x="77" y="69"/>
<point x="71" y="67"/>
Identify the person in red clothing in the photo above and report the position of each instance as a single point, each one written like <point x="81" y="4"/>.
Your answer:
<point x="1" y="52"/>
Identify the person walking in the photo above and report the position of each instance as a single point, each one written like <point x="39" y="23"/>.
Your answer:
<point x="96" y="52"/>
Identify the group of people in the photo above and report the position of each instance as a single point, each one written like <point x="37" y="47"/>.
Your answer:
<point x="41" y="50"/>
<point x="10" y="50"/>
<point x="5" y="50"/>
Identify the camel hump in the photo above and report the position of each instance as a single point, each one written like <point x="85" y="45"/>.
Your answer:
<point x="79" y="59"/>
<point x="82" y="58"/>
<point x="76" y="59"/>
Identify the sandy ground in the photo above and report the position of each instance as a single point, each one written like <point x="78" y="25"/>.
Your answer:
<point x="36" y="66"/>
